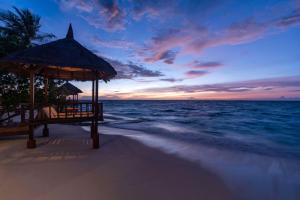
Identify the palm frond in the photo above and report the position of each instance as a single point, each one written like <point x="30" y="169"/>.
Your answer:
<point x="23" y="24"/>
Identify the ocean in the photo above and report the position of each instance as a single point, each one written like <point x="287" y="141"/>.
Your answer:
<point x="253" y="145"/>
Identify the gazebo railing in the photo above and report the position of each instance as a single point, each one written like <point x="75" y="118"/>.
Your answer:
<point x="69" y="111"/>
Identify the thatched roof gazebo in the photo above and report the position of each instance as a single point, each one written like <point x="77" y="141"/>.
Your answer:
<point x="61" y="59"/>
<point x="68" y="89"/>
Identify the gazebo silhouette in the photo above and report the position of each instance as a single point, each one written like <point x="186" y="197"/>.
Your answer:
<point x="64" y="59"/>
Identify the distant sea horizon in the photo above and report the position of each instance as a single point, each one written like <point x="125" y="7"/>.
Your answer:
<point x="105" y="99"/>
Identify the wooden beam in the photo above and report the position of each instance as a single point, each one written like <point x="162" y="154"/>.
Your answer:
<point x="96" y="134"/>
<point x="46" y="87"/>
<point x="93" y="109"/>
<point x="93" y="94"/>
<point x="31" y="141"/>
<point x="46" y="102"/>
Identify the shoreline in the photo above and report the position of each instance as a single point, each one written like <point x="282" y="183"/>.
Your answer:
<point x="240" y="170"/>
<point x="64" y="166"/>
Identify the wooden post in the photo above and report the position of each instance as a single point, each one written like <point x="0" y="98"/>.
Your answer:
<point x="96" y="134"/>
<point x="46" y="83"/>
<point x="31" y="141"/>
<point x="23" y="110"/>
<point x="93" y="105"/>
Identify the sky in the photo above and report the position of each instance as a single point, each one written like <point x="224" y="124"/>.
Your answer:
<point x="168" y="49"/>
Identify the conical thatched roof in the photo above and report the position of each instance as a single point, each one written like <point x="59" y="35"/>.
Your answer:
<point x="69" y="89"/>
<point x="62" y="59"/>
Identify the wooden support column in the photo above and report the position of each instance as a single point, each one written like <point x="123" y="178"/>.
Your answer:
<point x="23" y="110"/>
<point x="31" y="141"/>
<point x="46" y="103"/>
<point x="93" y="108"/>
<point x="96" y="134"/>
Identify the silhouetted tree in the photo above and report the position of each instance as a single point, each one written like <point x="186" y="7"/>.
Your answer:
<point x="19" y="29"/>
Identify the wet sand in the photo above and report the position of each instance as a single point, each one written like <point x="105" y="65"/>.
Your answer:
<point x="64" y="166"/>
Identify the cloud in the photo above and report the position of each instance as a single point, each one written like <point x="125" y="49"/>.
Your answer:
<point x="105" y="14"/>
<point x="152" y="8"/>
<point x="195" y="73"/>
<point x="234" y="87"/>
<point x="171" y="80"/>
<point x="113" y="13"/>
<point x="120" y="44"/>
<point x="81" y="5"/>
<point x="194" y="39"/>
<point x="131" y="70"/>
<point x="180" y="29"/>
<point x="170" y="9"/>
<point x="167" y="57"/>
<point x="290" y="20"/>
<point x="205" y="65"/>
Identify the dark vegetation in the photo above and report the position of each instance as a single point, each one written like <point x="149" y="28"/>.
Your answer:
<point x="20" y="29"/>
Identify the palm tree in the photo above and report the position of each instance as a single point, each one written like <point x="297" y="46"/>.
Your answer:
<point x="21" y="28"/>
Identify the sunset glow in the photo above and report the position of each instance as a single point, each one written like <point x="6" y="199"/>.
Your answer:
<point x="184" y="49"/>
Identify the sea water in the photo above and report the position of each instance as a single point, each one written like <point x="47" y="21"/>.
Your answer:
<point x="253" y="145"/>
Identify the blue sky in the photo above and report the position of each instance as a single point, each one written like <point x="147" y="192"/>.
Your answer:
<point x="219" y="49"/>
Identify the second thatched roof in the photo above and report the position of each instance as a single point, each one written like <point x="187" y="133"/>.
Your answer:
<point x="61" y="59"/>
<point x="69" y="89"/>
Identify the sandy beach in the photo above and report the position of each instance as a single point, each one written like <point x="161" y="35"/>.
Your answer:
<point x="64" y="166"/>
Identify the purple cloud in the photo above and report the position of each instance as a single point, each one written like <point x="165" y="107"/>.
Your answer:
<point x="193" y="39"/>
<point x="171" y="80"/>
<point x="81" y="5"/>
<point x="196" y="39"/>
<point x="152" y="8"/>
<point x="105" y="14"/>
<point x="195" y="73"/>
<point x="290" y="20"/>
<point x="131" y="70"/>
<point x="190" y="34"/>
<point x="205" y="65"/>
<point x="242" y="86"/>
<point x="167" y="57"/>
<point x="113" y="13"/>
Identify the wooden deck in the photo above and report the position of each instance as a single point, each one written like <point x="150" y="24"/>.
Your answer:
<point x="69" y="112"/>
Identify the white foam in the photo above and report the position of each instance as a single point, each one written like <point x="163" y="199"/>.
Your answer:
<point x="249" y="175"/>
<point x="175" y="128"/>
<point x="119" y="117"/>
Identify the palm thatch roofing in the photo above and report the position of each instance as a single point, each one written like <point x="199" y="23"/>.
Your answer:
<point x="61" y="59"/>
<point x="69" y="89"/>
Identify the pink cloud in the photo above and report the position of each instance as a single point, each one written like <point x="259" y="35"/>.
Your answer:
<point x="106" y="14"/>
<point x="195" y="73"/>
<point x="167" y="57"/>
<point x="115" y="16"/>
<point x="287" y="84"/>
<point x="187" y="35"/>
<point x="191" y="39"/>
<point x="196" y="39"/>
<point x="152" y="8"/>
<point x="81" y="5"/>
